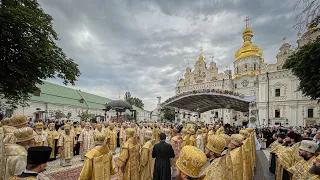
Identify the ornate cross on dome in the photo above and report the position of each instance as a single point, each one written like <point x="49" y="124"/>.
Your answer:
<point x="247" y="21"/>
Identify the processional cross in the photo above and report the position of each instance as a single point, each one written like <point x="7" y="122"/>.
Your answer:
<point x="247" y="20"/>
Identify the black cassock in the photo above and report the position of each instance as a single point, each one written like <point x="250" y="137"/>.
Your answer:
<point x="162" y="152"/>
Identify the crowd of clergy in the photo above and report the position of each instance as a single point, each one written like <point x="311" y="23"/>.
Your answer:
<point x="199" y="151"/>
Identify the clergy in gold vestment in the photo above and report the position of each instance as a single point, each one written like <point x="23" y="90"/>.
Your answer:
<point x="156" y="133"/>
<point x="86" y="140"/>
<point x="66" y="143"/>
<point x="99" y="135"/>
<point x="53" y="137"/>
<point x="236" y="156"/>
<point x="40" y="137"/>
<point x="301" y="169"/>
<point x="176" y="143"/>
<point x="16" y="154"/>
<point x="112" y="136"/>
<point x="123" y="136"/>
<point x="129" y="159"/>
<point x="98" y="164"/>
<point x="186" y="139"/>
<point x="146" y="161"/>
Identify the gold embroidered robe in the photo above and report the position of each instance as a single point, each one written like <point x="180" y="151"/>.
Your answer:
<point x="147" y="162"/>
<point x="186" y="140"/>
<point x="156" y="134"/>
<point x="86" y="140"/>
<point x="129" y="159"/>
<point x="53" y="136"/>
<point x="246" y="155"/>
<point x="112" y="134"/>
<point x="123" y="136"/>
<point x="40" y="139"/>
<point x="176" y="143"/>
<point x="219" y="169"/>
<point x="67" y="142"/>
<point x="9" y="137"/>
<point x="301" y="169"/>
<point x="237" y="163"/>
<point x="98" y="164"/>
<point x="15" y="160"/>
<point x="193" y="141"/>
<point x="141" y="133"/>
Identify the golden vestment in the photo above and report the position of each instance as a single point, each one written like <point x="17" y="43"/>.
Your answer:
<point x="301" y="170"/>
<point x="186" y="140"/>
<point x="98" y="164"/>
<point x="52" y="137"/>
<point x="15" y="159"/>
<point x="141" y="133"/>
<point x="176" y="143"/>
<point x="247" y="163"/>
<point x="286" y="158"/>
<point x="123" y="136"/>
<point x="237" y="163"/>
<point x="40" y="139"/>
<point x="156" y="134"/>
<point x="112" y="134"/>
<point x="219" y="169"/>
<point x="199" y="143"/>
<point x="40" y="176"/>
<point x="193" y="141"/>
<point x="67" y="142"/>
<point x="87" y="141"/>
<point x="147" y="162"/>
<point x="9" y="137"/>
<point x="129" y="159"/>
<point x="204" y="138"/>
<point x="253" y="151"/>
<point x="99" y="137"/>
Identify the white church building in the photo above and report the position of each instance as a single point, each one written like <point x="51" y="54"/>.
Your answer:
<point x="275" y="89"/>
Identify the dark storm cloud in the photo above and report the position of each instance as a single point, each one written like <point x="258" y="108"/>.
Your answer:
<point x="144" y="46"/>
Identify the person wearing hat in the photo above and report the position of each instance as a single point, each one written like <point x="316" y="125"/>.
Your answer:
<point x="86" y="140"/>
<point x="307" y="151"/>
<point x="19" y="121"/>
<point x="53" y="137"/>
<point x="112" y="135"/>
<point x="193" y="141"/>
<point x="40" y="137"/>
<point x="98" y="163"/>
<point x="129" y="158"/>
<point x="204" y="136"/>
<point x="141" y="134"/>
<point x="273" y="149"/>
<point x="37" y="159"/>
<point x="190" y="163"/>
<point x="214" y="148"/>
<point x="156" y="132"/>
<point x="163" y="152"/>
<point x="99" y="135"/>
<point x="15" y="154"/>
<point x="146" y="160"/>
<point x="199" y="140"/>
<point x="236" y="156"/>
<point x="66" y="143"/>
<point x="186" y="139"/>
<point x="288" y="155"/>
<point x="176" y="142"/>
<point x="123" y="135"/>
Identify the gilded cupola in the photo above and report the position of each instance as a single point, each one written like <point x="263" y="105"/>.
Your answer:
<point x="247" y="48"/>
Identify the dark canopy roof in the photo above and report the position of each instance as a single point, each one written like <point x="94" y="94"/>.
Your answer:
<point x="202" y="102"/>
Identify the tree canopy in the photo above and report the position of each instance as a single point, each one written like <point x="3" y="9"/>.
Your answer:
<point x="168" y="114"/>
<point x="305" y="64"/>
<point x="133" y="100"/>
<point x="28" y="51"/>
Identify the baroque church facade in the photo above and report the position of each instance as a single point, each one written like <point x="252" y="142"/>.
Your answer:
<point x="274" y="88"/>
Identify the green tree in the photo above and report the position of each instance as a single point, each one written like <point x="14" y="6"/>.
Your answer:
<point x="127" y="96"/>
<point x="28" y="51"/>
<point x="84" y="115"/>
<point x="168" y="114"/>
<point x="133" y="100"/>
<point x="305" y="64"/>
<point x="58" y="114"/>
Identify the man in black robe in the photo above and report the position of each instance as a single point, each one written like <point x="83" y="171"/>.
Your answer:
<point x="162" y="152"/>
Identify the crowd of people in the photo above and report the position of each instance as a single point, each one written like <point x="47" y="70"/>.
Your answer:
<point x="157" y="151"/>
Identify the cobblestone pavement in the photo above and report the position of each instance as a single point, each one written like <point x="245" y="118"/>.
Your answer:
<point x="55" y="171"/>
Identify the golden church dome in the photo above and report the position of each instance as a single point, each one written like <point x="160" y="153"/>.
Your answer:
<point x="247" y="48"/>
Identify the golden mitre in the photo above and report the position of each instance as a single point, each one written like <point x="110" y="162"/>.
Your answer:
<point x="82" y="123"/>
<point x="250" y="130"/>
<point x="226" y="137"/>
<point x="111" y="125"/>
<point x="23" y="134"/>
<point x="204" y="130"/>
<point x="132" y="125"/>
<point x="19" y="120"/>
<point x="155" y="125"/>
<point x="67" y="126"/>
<point x="191" y="161"/>
<point x="130" y="132"/>
<point x="244" y="133"/>
<point x="199" y="131"/>
<point x="236" y="139"/>
<point x="69" y="123"/>
<point x="184" y="131"/>
<point x="52" y="125"/>
<point x="105" y="124"/>
<point x="38" y="125"/>
<point x="6" y="122"/>
<point x="99" y="125"/>
<point x="216" y="144"/>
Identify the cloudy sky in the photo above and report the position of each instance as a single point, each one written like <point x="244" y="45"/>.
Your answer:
<point x="144" y="46"/>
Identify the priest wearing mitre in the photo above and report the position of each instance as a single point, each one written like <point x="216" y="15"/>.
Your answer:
<point x="112" y="136"/>
<point x="53" y="137"/>
<point x="98" y="163"/>
<point x="236" y="156"/>
<point x="86" y="140"/>
<point x="146" y="160"/>
<point x="66" y="143"/>
<point x="40" y="137"/>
